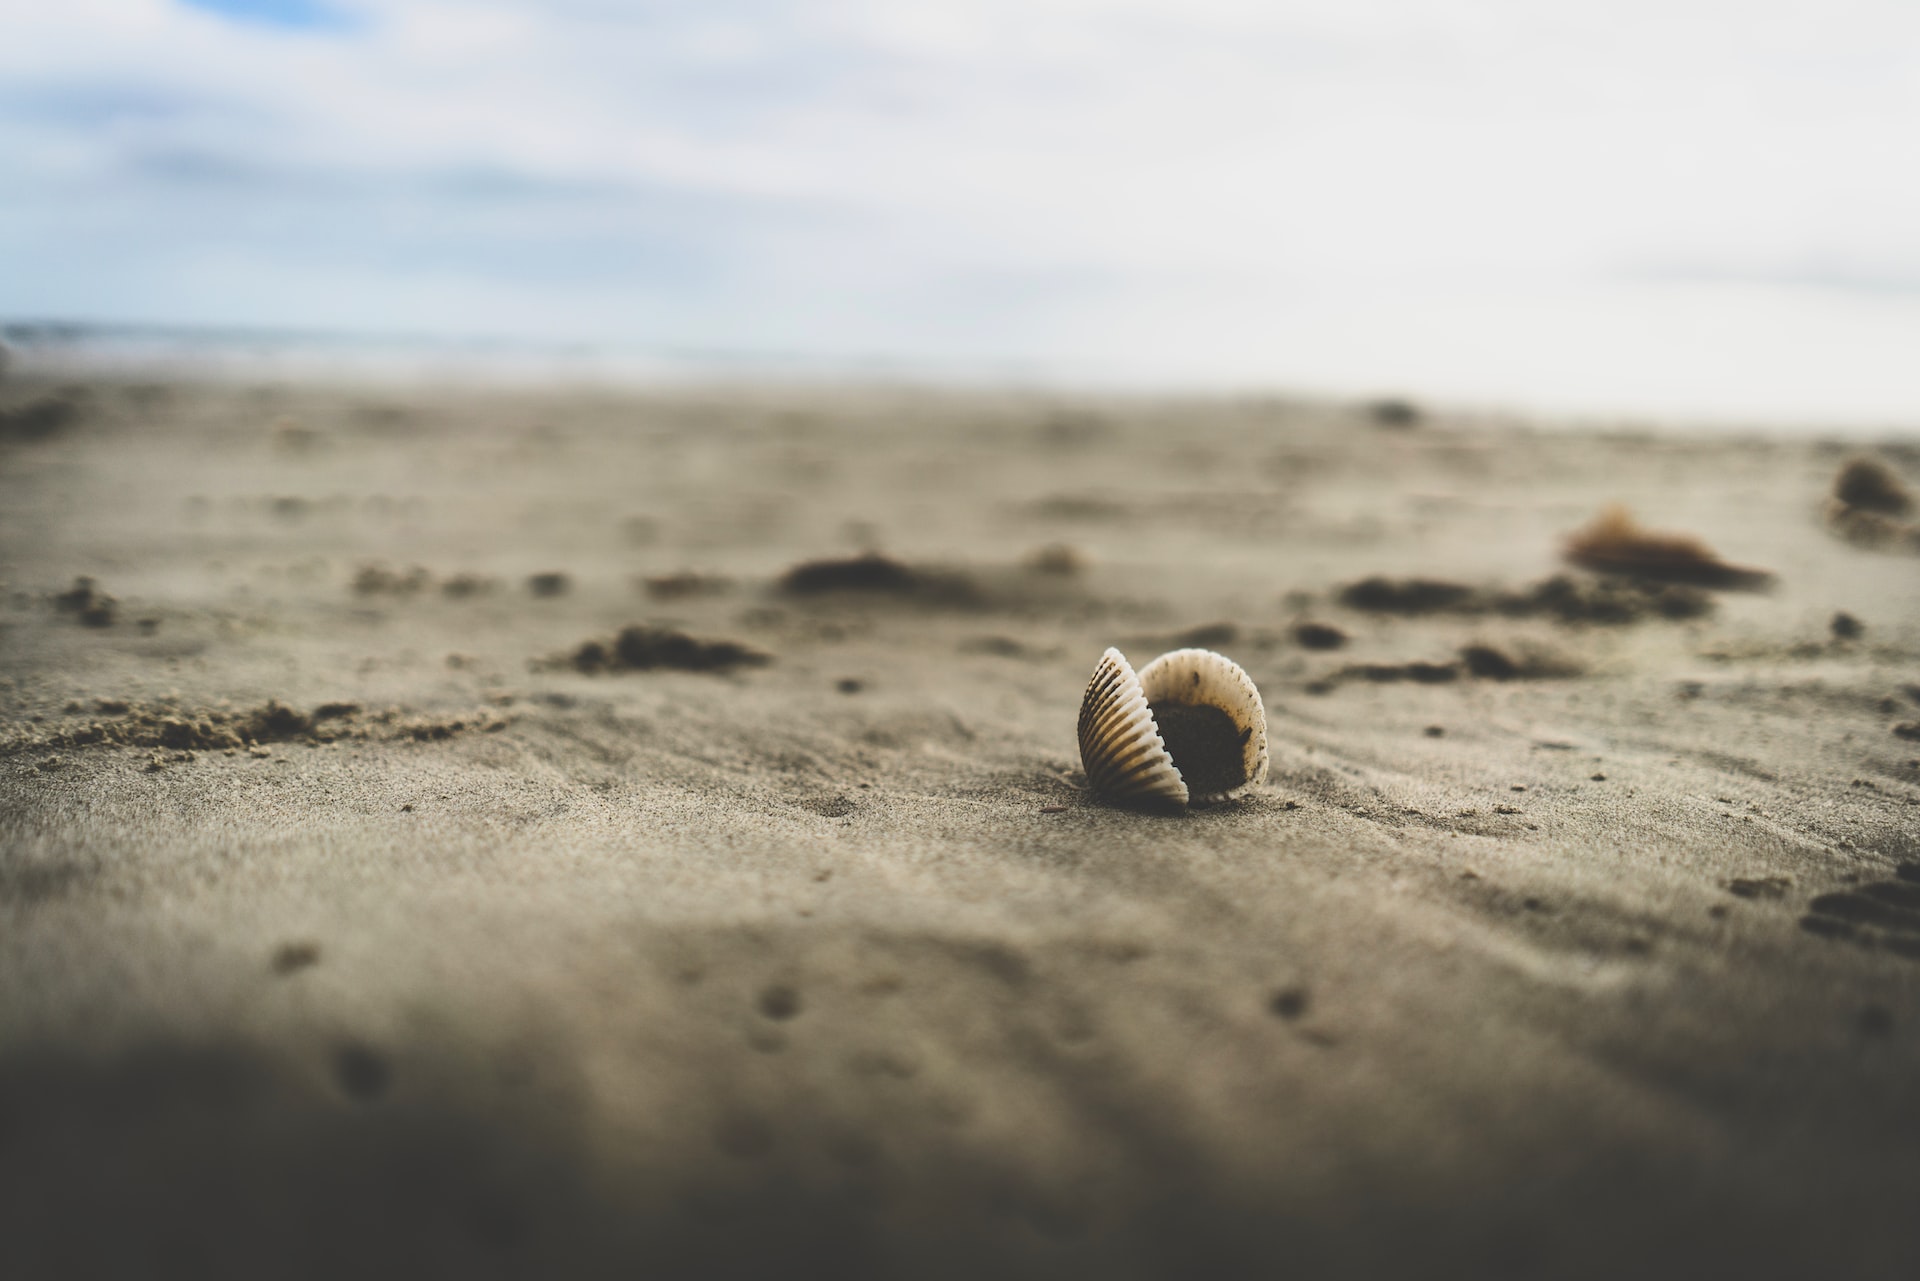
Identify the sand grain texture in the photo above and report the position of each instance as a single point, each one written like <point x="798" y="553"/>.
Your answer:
<point x="1602" y="961"/>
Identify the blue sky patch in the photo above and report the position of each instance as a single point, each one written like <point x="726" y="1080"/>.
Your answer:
<point x="297" y="14"/>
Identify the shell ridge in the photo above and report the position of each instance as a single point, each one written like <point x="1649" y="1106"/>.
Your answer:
<point x="1120" y="743"/>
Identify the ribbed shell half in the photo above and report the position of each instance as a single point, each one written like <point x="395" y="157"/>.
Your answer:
<point x="1202" y="678"/>
<point x="1119" y="744"/>
<point x="1128" y="758"/>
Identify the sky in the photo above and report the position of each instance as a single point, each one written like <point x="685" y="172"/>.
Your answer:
<point x="1701" y="207"/>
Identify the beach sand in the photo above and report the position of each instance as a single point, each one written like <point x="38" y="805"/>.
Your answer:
<point x="358" y="917"/>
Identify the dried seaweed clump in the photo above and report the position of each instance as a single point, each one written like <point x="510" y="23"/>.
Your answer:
<point x="1386" y="673"/>
<point x="1480" y="661"/>
<point x="86" y="602"/>
<point x="1615" y="543"/>
<point x="40" y="417"/>
<point x="1311" y="635"/>
<point x="1056" y="558"/>
<point x="1394" y="412"/>
<point x="1607" y="601"/>
<point x="641" y="648"/>
<point x="1868" y="501"/>
<point x="685" y="584"/>
<point x="465" y="585"/>
<point x="128" y="724"/>
<point x="1412" y="596"/>
<point x="379" y="580"/>
<point x="1490" y="662"/>
<point x="1563" y="598"/>
<point x="873" y="574"/>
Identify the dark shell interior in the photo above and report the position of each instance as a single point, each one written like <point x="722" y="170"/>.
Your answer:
<point x="1207" y="747"/>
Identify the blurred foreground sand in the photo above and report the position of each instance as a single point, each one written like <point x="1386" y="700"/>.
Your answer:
<point x="346" y="927"/>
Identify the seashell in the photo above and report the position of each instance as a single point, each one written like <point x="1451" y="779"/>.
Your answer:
<point x="1188" y="728"/>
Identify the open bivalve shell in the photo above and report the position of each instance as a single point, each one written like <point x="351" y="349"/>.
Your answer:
<point x="1188" y="728"/>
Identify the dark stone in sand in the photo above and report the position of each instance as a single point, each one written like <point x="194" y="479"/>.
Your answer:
<point x="1207" y="747"/>
<point x="1846" y="627"/>
<point x="1318" y="636"/>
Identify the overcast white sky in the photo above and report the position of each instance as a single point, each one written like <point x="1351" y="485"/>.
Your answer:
<point x="1707" y="206"/>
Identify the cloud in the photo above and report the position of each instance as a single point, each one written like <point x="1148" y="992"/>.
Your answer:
<point x="1064" y="179"/>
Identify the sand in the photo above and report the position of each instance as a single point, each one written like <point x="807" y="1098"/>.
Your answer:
<point x="352" y="923"/>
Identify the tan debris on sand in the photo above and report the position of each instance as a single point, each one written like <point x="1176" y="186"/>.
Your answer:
<point x="1615" y="543"/>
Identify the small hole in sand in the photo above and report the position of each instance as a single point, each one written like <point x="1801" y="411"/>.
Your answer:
<point x="780" y="1002"/>
<point x="1289" y="1002"/>
<point x="362" y="1073"/>
<point x="290" y="958"/>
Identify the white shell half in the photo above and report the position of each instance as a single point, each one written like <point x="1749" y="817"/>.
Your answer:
<point x="1120" y="745"/>
<point x="1203" y="677"/>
